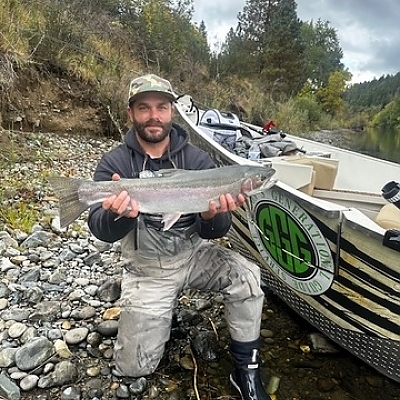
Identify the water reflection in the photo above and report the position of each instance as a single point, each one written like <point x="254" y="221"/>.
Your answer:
<point x="374" y="142"/>
<point x="378" y="143"/>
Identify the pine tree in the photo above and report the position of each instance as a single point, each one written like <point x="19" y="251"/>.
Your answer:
<point x="284" y="62"/>
<point x="322" y="52"/>
<point x="253" y="30"/>
<point x="267" y="46"/>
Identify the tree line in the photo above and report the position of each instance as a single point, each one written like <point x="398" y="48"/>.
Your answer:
<point x="271" y="64"/>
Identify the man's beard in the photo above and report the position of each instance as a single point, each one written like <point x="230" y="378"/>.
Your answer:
<point x="150" y="137"/>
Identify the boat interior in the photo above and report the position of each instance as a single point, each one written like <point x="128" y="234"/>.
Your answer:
<point x="318" y="180"/>
<point x="346" y="178"/>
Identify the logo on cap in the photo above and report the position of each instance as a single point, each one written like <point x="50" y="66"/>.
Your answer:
<point x="150" y="83"/>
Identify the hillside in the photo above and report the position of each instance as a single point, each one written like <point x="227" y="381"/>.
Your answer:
<point x="65" y="67"/>
<point x="54" y="101"/>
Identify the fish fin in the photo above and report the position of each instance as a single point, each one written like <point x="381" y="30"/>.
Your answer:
<point x="249" y="217"/>
<point x="267" y="184"/>
<point x="165" y="173"/>
<point x="147" y="174"/>
<point x="170" y="219"/>
<point x="70" y="207"/>
<point x="124" y="214"/>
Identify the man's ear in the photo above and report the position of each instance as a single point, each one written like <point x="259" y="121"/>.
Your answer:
<point x="130" y="113"/>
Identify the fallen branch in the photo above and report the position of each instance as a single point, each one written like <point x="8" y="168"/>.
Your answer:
<point x="195" y="375"/>
<point x="214" y="328"/>
<point x="115" y="122"/>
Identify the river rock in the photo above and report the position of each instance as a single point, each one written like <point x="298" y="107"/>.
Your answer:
<point x="29" y="382"/>
<point x="64" y="372"/>
<point x="33" y="353"/>
<point x="7" y="357"/>
<point x="8" y="389"/>
<point x="77" y="335"/>
<point x="108" y="328"/>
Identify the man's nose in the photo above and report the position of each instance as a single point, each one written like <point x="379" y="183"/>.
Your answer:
<point x="153" y="112"/>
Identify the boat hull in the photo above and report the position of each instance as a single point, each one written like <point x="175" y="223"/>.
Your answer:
<point x="360" y="309"/>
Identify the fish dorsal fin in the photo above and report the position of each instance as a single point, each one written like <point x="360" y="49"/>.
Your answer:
<point x="167" y="173"/>
<point x="147" y="174"/>
<point x="164" y="173"/>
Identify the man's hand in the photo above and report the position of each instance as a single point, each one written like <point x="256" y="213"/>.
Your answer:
<point x="122" y="204"/>
<point x="226" y="204"/>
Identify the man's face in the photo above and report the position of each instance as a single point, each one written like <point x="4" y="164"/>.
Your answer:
<point x="151" y="116"/>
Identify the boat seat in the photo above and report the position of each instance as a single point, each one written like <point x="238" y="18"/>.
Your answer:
<point x="326" y="170"/>
<point x="309" y="188"/>
<point x="388" y="217"/>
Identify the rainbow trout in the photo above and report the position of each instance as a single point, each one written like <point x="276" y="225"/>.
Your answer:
<point x="169" y="192"/>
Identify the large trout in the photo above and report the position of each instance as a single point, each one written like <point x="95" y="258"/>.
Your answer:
<point x="170" y="192"/>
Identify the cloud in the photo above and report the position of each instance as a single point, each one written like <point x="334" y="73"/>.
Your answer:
<point x="367" y="29"/>
<point x="219" y="17"/>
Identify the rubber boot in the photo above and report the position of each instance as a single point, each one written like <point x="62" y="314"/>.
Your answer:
<point x="245" y="376"/>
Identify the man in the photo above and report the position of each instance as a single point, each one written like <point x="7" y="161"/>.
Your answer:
<point x="160" y="264"/>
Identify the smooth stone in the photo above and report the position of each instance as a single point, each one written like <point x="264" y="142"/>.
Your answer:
<point x="76" y="335"/>
<point x="29" y="382"/>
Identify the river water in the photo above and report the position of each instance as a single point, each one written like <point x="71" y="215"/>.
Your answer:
<point x="376" y="143"/>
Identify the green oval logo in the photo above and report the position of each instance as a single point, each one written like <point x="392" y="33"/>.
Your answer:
<point x="291" y="243"/>
<point x="287" y="243"/>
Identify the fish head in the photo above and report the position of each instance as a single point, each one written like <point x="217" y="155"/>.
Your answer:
<point x="256" y="179"/>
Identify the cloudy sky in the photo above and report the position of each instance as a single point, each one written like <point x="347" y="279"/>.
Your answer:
<point x="368" y="30"/>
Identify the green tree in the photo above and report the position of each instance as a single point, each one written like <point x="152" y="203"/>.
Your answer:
<point x="389" y="116"/>
<point x="232" y="58"/>
<point x="163" y="35"/>
<point x="284" y="62"/>
<point x="331" y="95"/>
<point x="375" y="93"/>
<point x="242" y="52"/>
<point x="203" y="30"/>
<point x="184" y="8"/>
<point x="196" y="49"/>
<point x="307" y="103"/>
<point x="253" y="30"/>
<point x="322" y="52"/>
<point x="266" y="46"/>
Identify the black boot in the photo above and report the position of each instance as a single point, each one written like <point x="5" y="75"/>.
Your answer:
<point x="245" y="376"/>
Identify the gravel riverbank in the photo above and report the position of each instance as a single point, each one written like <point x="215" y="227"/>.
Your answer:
<point x="59" y="292"/>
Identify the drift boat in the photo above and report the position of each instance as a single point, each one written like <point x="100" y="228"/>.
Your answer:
<point x="325" y="235"/>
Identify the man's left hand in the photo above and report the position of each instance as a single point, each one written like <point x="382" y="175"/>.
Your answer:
<point x="226" y="203"/>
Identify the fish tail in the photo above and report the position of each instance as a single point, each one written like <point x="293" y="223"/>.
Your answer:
<point x="67" y="191"/>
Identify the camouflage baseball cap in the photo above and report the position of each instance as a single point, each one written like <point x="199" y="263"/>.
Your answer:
<point x="150" y="83"/>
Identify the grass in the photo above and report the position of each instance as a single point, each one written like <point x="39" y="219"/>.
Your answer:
<point x="20" y="215"/>
<point x="20" y="206"/>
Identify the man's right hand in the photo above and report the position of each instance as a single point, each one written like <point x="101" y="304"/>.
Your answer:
<point x="122" y="204"/>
